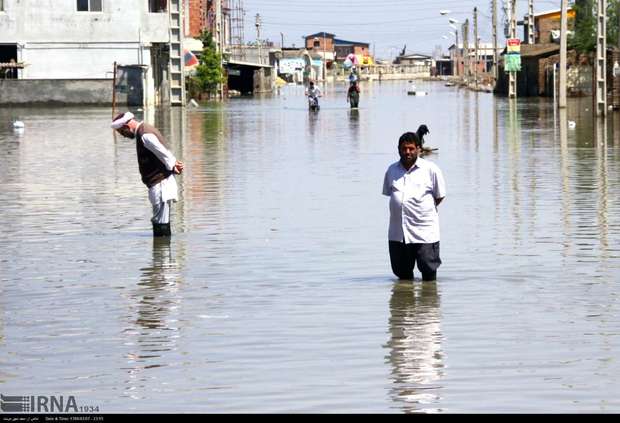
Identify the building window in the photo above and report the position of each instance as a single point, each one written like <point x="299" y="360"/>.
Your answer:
<point x="158" y="6"/>
<point x="1" y="5"/>
<point x="317" y="43"/>
<point x="90" y="5"/>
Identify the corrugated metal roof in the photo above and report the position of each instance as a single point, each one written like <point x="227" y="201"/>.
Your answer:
<point x="338" y="41"/>
<point x="320" y="34"/>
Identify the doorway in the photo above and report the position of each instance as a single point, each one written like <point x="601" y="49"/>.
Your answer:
<point x="8" y="61"/>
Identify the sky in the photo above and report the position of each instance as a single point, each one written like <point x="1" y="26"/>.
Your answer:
<point x="387" y="25"/>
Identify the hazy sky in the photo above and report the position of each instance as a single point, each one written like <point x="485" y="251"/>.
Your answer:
<point x="386" y="25"/>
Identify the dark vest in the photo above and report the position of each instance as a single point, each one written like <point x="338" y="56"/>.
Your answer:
<point x="152" y="170"/>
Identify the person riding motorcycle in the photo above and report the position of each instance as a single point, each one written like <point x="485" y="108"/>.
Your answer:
<point x="313" y="93"/>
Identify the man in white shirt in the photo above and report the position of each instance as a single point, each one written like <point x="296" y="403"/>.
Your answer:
<point x="313" y="93"/>
<point x="416" y="187"/>
<point x="157" y="167"/>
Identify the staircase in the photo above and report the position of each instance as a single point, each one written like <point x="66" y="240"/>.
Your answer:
<point x="176" y="66"/>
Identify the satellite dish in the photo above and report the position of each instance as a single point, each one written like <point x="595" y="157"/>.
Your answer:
<point x="444" y="12"/>
<point x="452" y="20"/>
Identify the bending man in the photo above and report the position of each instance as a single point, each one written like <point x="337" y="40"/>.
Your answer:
<point x="157" y="167"/>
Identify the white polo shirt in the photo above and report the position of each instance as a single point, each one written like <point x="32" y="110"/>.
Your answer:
<point x="413" y="214"/>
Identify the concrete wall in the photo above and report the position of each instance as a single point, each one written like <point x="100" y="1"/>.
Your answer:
<point x="58" y="42"/>
<point x="59" y="21"/>
<point x="55" y="41"/>
<point x="57" y="92"/>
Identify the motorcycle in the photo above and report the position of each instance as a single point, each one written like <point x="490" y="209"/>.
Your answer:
<point x="313" y="103"/>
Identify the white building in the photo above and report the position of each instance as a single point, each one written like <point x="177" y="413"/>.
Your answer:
<point x="82" y="39"/>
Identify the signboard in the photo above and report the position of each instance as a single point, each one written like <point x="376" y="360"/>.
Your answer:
<point x="512" y="58"/>
<point x="512" y="62"/>
<point x="513" y="45"/>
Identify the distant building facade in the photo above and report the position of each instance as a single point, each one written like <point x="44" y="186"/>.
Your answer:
<point x="82" y="39"/>
<point x="547" y="25"/>
<point x="481" y="64"/>
<point x="321" y="42"/>
<point x="360" y="49"/>
<point x="414" y="60"/>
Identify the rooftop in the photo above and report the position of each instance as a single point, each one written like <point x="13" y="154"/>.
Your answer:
<point x="340" y="42"/>
<point x="320" y="34"/>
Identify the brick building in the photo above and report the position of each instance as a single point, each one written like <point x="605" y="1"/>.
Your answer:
<point x="547" y="25"/>
<point x="344" y="47"/>
<point x="321" y="41"/>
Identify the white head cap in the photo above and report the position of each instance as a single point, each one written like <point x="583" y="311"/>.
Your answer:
<point x="119" y="122"/>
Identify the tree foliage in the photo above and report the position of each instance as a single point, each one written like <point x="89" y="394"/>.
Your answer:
<point x="209" y="71"/>
<point x="584" y="39"/>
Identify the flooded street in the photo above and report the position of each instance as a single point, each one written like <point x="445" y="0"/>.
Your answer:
<point x="275" y="293"/>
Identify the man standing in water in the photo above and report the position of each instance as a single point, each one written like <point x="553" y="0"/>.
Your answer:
<point x="353" y="95"/>
<point x="157" y="167"/>
<point x="416" y="187"/>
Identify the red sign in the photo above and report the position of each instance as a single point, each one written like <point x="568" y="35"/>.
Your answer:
<point x="513" y="42"/>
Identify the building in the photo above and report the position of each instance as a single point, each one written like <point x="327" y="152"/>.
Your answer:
<point x="547" y="26"/>
<point x="295" y="65"/>
<point x="414" y="59"/>
<point x="482" y="64"/>
<point x="443" y="66"/>
<point x="535" y="77"/>
<point x="321" y="48"/>
<point x="321" y="42"/>
<point x="80" y="41"/>
<point x="361" y="50"/>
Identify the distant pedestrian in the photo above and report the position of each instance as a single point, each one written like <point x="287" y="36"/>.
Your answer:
<point x="416" y="187"/>
<point x="157" y="167"/>
<point x="353" y="95"/>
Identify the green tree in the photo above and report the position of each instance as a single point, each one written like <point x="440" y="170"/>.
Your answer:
<point x="209" y="71"/>
<point x="613" y="25"/>
<point x="584" y="39"/>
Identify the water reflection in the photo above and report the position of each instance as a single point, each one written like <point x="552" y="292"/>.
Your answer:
<point x="415" y="344"/>
<point x="155" y="305"/>
<point x="313" y="118"/>
<point x="354" y="124"/>
<point x="513" y="129"/>
<point x="565" y="180"/>
<point x="603" y="185"/>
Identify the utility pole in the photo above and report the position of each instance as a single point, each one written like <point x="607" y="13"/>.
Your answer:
<point x="530" y="22"/>
<point x="563" y="61"/>
<point x="465" y="32"/>
<point x="282" y="38"/>
<point x="258" y="24"/>
<point x="220" y="30"/>
<point x="324" y="61"/>
<point x="475" y="48"/>
<point x="494" y="23"/>
<point x="456" y="53"/>
<point x="601" y="58"/>
<point x="512" y="76"/>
